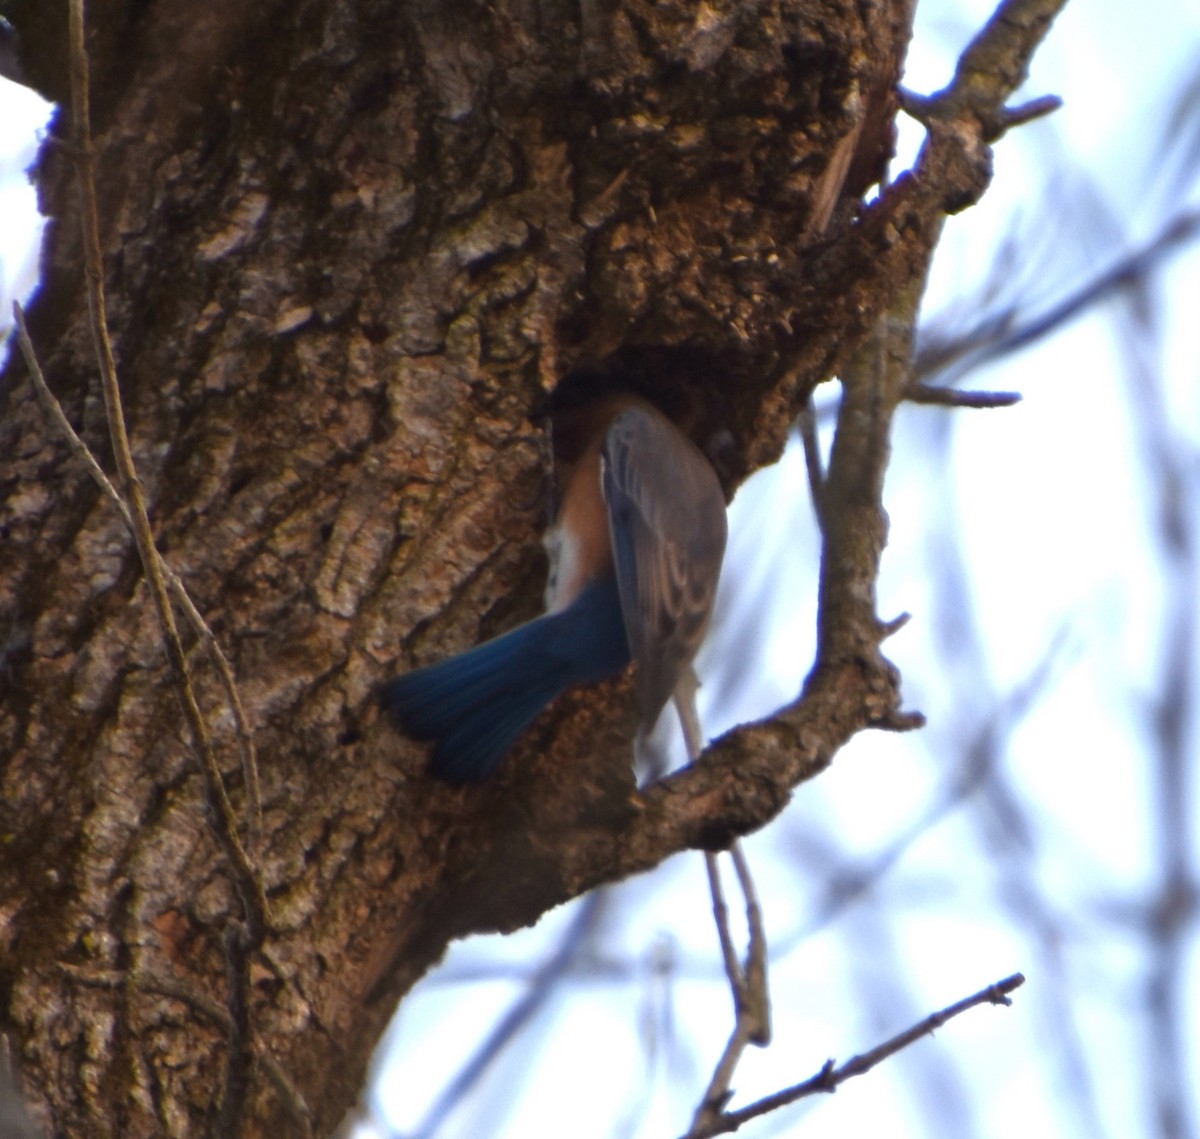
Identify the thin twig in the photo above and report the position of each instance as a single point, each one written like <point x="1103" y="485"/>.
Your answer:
<point x="733" y="969"/>
<point x="221" y="813"/>
<point x="832" y="1075"/>
<point x="239" y="1051"/>
<point x="755" y="993"/>
<point x="1029" y="112"/>
<point x="918" y="392"/>
<point x="201" y="628"/>
<point x="239" y="941"/>
<point x="747" y="982"/>
<point x="718" y="1093"/>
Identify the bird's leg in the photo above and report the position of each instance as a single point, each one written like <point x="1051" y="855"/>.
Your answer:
<point x="689" y="719"/>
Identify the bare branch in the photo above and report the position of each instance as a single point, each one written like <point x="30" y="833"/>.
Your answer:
<point x="832" y="1075"/>
<point x="918" y="392"/>
<point x="755" y="993"/>
<point x="239" y="1051"/>
<point x="220" y="814"/>
<point x="747" y="982"/>
<point x="221" y="810"/>
<point x="996" y="63"/>
<point x="965" y="118"/>
<point x="1029" y="112"/>
<point x="733" y="970"/>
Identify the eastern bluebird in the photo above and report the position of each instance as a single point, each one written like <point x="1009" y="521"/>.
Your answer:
<point x="635" y="553"/>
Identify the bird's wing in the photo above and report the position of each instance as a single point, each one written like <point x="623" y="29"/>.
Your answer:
<point x="666" y="515"/>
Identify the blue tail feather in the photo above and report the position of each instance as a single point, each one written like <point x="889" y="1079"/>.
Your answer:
<point x="475" y="705"/>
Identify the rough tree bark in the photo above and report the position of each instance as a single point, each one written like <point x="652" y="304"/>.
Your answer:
<point x="349" y="248"/>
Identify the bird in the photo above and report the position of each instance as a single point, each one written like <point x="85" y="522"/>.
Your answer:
<point x="635" y="554"/>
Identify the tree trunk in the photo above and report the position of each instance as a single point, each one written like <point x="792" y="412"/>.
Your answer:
<point x="349" y="248"/>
